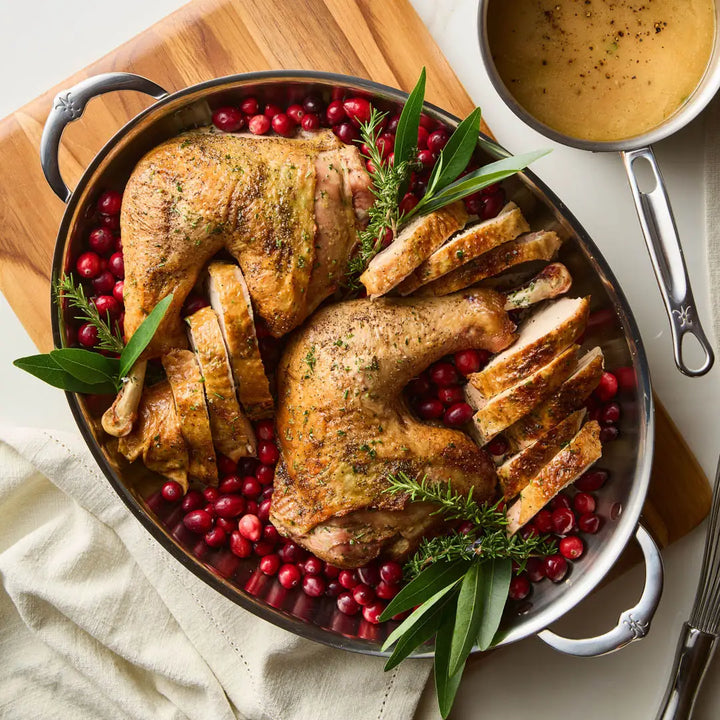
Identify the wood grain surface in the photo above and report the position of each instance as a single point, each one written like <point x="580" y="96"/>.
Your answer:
<point x="212" y="38"/>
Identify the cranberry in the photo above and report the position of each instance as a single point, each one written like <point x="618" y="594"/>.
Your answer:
<point x="607" y="388"/>
<point x="269" y="564"/>
<point x="228" y="119"/>
<point x="263" y="511"/>
<point x="335" y="112"/>
<point x="259" y="124"/>
<point x="172" y="491"/>
<point x="626" y="378"/>
<point x="268" y="454"/>
<point x="240" y="546"/>
<point x="334" y="588"/>
<point x="408" y="202"/>
<point x="561" y="500"/>
<point x="426" y="158"/>
<point x="391" y="572"/>
<point x="386" y="144"/>
<point x="563" y="520"/>
<point x="313" y="585"/>
<point x="458" y="415"/>
<point x="251" y="487"/>
<point x="193" y="500"/>
<point x="370" y="575"/>
<point x="250" y="527"/>
<point x="313" y="104"/>
<point x="265" y="430"/>
<point x="193" y="303"/>
<point x="116" y="263"/>
<point x="584" y="503"/>
<point x="427" y="122"/>
<point x="101" y="240"/>
<point x="372" y="613"/>
<point x="107" y="305"/>
<point x="422" y="140"/>
<point x="391" y="159"/>
<point x="430" y="409"/>
<point x="347" y="605"/>
<point x="419" y="386"/>
<point x="608" y="434"/>
<point x="263" y="548"/>
<point x="589" y="523"/>
<point x="330" y="571"/>
<point x="386" y="591"/>
<point x="117" y="291"/>
<point x="104" y="283"/>
<point x="227" y="525"/>
<point x="290" y="552"/>
<point x="555" y="567"/>
<point x="250" y="106"/>
<point x="437" y="140"/>
<point x="528" y="531"/>
<point x="474" y="204"/>
<point x="535" y="569"/>
<point x="111" y="222"/>
<point x="231" y="484"/>
<point x="465" y="528"/>
<point x="310" y="122"/>
<point x="393" y="123"/>
<point x="498" y="445"/>
<point x="289" y="576"/>
<point x="444" y="374"/>
<point x="265" y="474"/>
<point x="295" y="113"/>
<point x="313" y="566"/>
<point x="210" y="510"/>
<point x="468" y="361"/>
<point x="88" y="265"/>
<point x="358" y="110"/>
<point x="591" y="481"/>
<point x="282" y="125"/>
<point x="346" y="133"/>
<point x="110" y="203"/>
<point x="211" y="494"/>
<point x="348" y="579"/>
<point x="609" y="414"/>
<point x="519" y="587"/>
<point x="198" y="521"/>
<point x="216" y="537"/>
<point x="492" y="205"/>
<point x="571" y="547"/>
<point x="543" y="522"/>
<point x="271" y="534"/>
<point x="271" y="110"/>
<point x="229" y="506"/>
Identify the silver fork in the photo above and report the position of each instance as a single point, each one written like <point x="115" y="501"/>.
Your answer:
<point x="700" y="633"/>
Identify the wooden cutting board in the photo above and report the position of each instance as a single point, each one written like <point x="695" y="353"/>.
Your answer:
<point x="378" y="39"/>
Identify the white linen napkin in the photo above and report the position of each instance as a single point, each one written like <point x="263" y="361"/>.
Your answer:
<point x="98" y="621"/>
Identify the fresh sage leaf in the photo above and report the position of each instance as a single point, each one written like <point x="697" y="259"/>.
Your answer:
<point x="46" y="369"/>
<point x="87" y="366"/>
<point x="446" y="684"/>
<point x="456" y="155"/>
<point x="434" y="578"/>
<point x="406" y="133"/>
<point x="142" y="336"/>
<point x="470" y="611"/>
<point x="494" y="591"/>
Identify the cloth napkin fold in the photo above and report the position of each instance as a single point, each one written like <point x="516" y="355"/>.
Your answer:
<point x="98" y="621"/>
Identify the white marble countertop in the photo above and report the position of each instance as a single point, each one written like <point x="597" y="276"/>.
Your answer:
<point x="527" y="679"/>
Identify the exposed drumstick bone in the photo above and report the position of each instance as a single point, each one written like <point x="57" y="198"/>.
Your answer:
<point x="118" y="419"/>
<point x="551" y="281"/>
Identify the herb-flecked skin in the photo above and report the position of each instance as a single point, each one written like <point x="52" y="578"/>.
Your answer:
<point x="344" y="427"/>
<point x="203" y="191"/>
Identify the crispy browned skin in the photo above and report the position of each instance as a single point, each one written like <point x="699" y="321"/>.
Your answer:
<point x="343" y="425"/>
<point x="231" y="431"/>
<point x="186" y="383"/>
<point x="201" y="192"/>
<point x="156" y="435"/>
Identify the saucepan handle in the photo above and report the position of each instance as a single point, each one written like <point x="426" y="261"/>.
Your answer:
<point x="663" y="243"/>
<point x="69" y="105"/>
<point x="634" y="623"/>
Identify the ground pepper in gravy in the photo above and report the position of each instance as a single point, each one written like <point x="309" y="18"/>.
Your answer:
<point x="601" y="69"/>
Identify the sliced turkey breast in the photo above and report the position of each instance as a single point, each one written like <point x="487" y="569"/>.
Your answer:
<point x="570" y="396"/>
<point x="414" y="244"/>
<point x="541" y="245"/>
<point x="504" y="409"/>
<point x="546" y="333"/>
<point x="231" y="431"/>
<point x="551" y="281"/>
<point x="467" y="245"/>
<point x="566" y="467"/>
<point x="230" y="299"/>
<point x="186" y="384"/>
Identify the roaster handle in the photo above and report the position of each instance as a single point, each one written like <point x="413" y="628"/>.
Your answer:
<point x="634" y="623"/>
<point x="663" y="244"/>
<point x="69" y="105"/>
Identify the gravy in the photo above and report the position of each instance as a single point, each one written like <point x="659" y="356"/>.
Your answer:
<point x="601" y="69"/>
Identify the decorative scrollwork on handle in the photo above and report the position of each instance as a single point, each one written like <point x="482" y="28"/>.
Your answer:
<point x="684" y="316"/>
<point x="66" y="104"/>
<point x="638" y="628"/>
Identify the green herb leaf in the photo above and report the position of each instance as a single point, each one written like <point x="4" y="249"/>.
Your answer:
<point x="456" y="155"/>
<point x="446" y="684"/>
<point x="474" y="181"/>
<point x="469" y="616"/>
<point x="494" y="588"/>
<point x="431" y="580"/>
<point x="87" y="366"/>
<point x="143" y="335"/>
<point x="47" y="370"/>
<point x="406" y="134"/>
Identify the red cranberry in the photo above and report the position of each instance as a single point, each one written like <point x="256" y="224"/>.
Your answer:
<point x="117" y="291"/>
<point x="334" y="588"/>
<point x="265" y="430"/>
<point x="584" y="503"/>
<point x="370" y="575"/>
<point x="444" y="374"/>
<point x="386" y="144"/>
<point x="88" y="265"/>
<point x="263" y="548"/>
<point x="492" y="205"/>
<point x="310" y="122"/>
<point x="210" y="510"/>
<point x="116" y="263"/>
<point x="335" y="112"/>
<point x="271" y="534"/>
<point x="313" y="566"/>
<point x="250" y="527"/>
<point x="609" y="414"/>
<point x="269" y="564"/>
<point x="386" y="591"/>
<point x="555" y="567"/>
<point x="393" y="123"/>
<point x="535" y="569"/>
<point x="263" y="511"/>
<point x="314" y="586"/>
<point x="104" y="283"/>
<point x="101" y="240"/>
<point x="591" y="481"/>
<point x="249" y="106"/>
<point x="391" y="159"/>
<point x="295" y="113"/>
<point x="519" y="587"/>
<point x="312" y="104"/>
<point x="458" y="415"/>
<point x="626" y="378"/>
<point x="193" y="303"/>
<point x="468" y="361"/>
<point x="240" y="546"/>
<point x="198" y="521"/>
<point x="430" y="409"/>
<point x="528" y="531"/>
<point x="211" y="494"/>
<point x="110" y="203"/>
<point x="451" y="395"/>
<point x="330" y="571"/>
<point x="571" y="547"/>
<point x="348" y="579"/>
<point x="346" y="133"/>
<point x="259" y="124"/>
<point x="426" y="158"/>
<point x="419" y="386"/>
<point x="251" y="507"/>
<point x="422" y="140"/>
<point x="172" y="491"/>
<point x="391" y="572"/>
<point x="563" y="520"/>
<point x="268" y="454"/>
<point x="408" y="202"/>
<point x="193" y="500"/>
<point x="229" y="506"/>
<point x="437" y="140"/>
<point x="271" y="110"/>
<point x="465" y="528"/>
<point x="543" y="522"/>
<point x="474" y="204"/>
<point x="265" y="474"/>
<point x="231" y="484"/>
<point x="607" y="388"/>
<point x="561" y="500"/>
<point x="291" y="553"/>
<point x="227" y="525"/>
<point x="282" y="125"/>
<point x="498" y="445"/>
<point x="289" y="576"/>
<point x="491" y="189"/>
<point x="216" y="537"/>
<point x="589" y="523"/>
<point x="358" y="110"/>
<point x="251" y="487"/>
<point x="363" y="594"/>
<point x="228" y="119"/>
<point x="107" y="305"/>
<point x="347" y="605"/>
<point x="372" y="613"/>
<point x="112" y="222"/>
<point x="608" y="434"/>
<point x="427" y="122"/>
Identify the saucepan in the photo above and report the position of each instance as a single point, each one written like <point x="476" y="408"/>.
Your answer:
<point x="628" y="459"/>
<point x="653" y="206"/>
